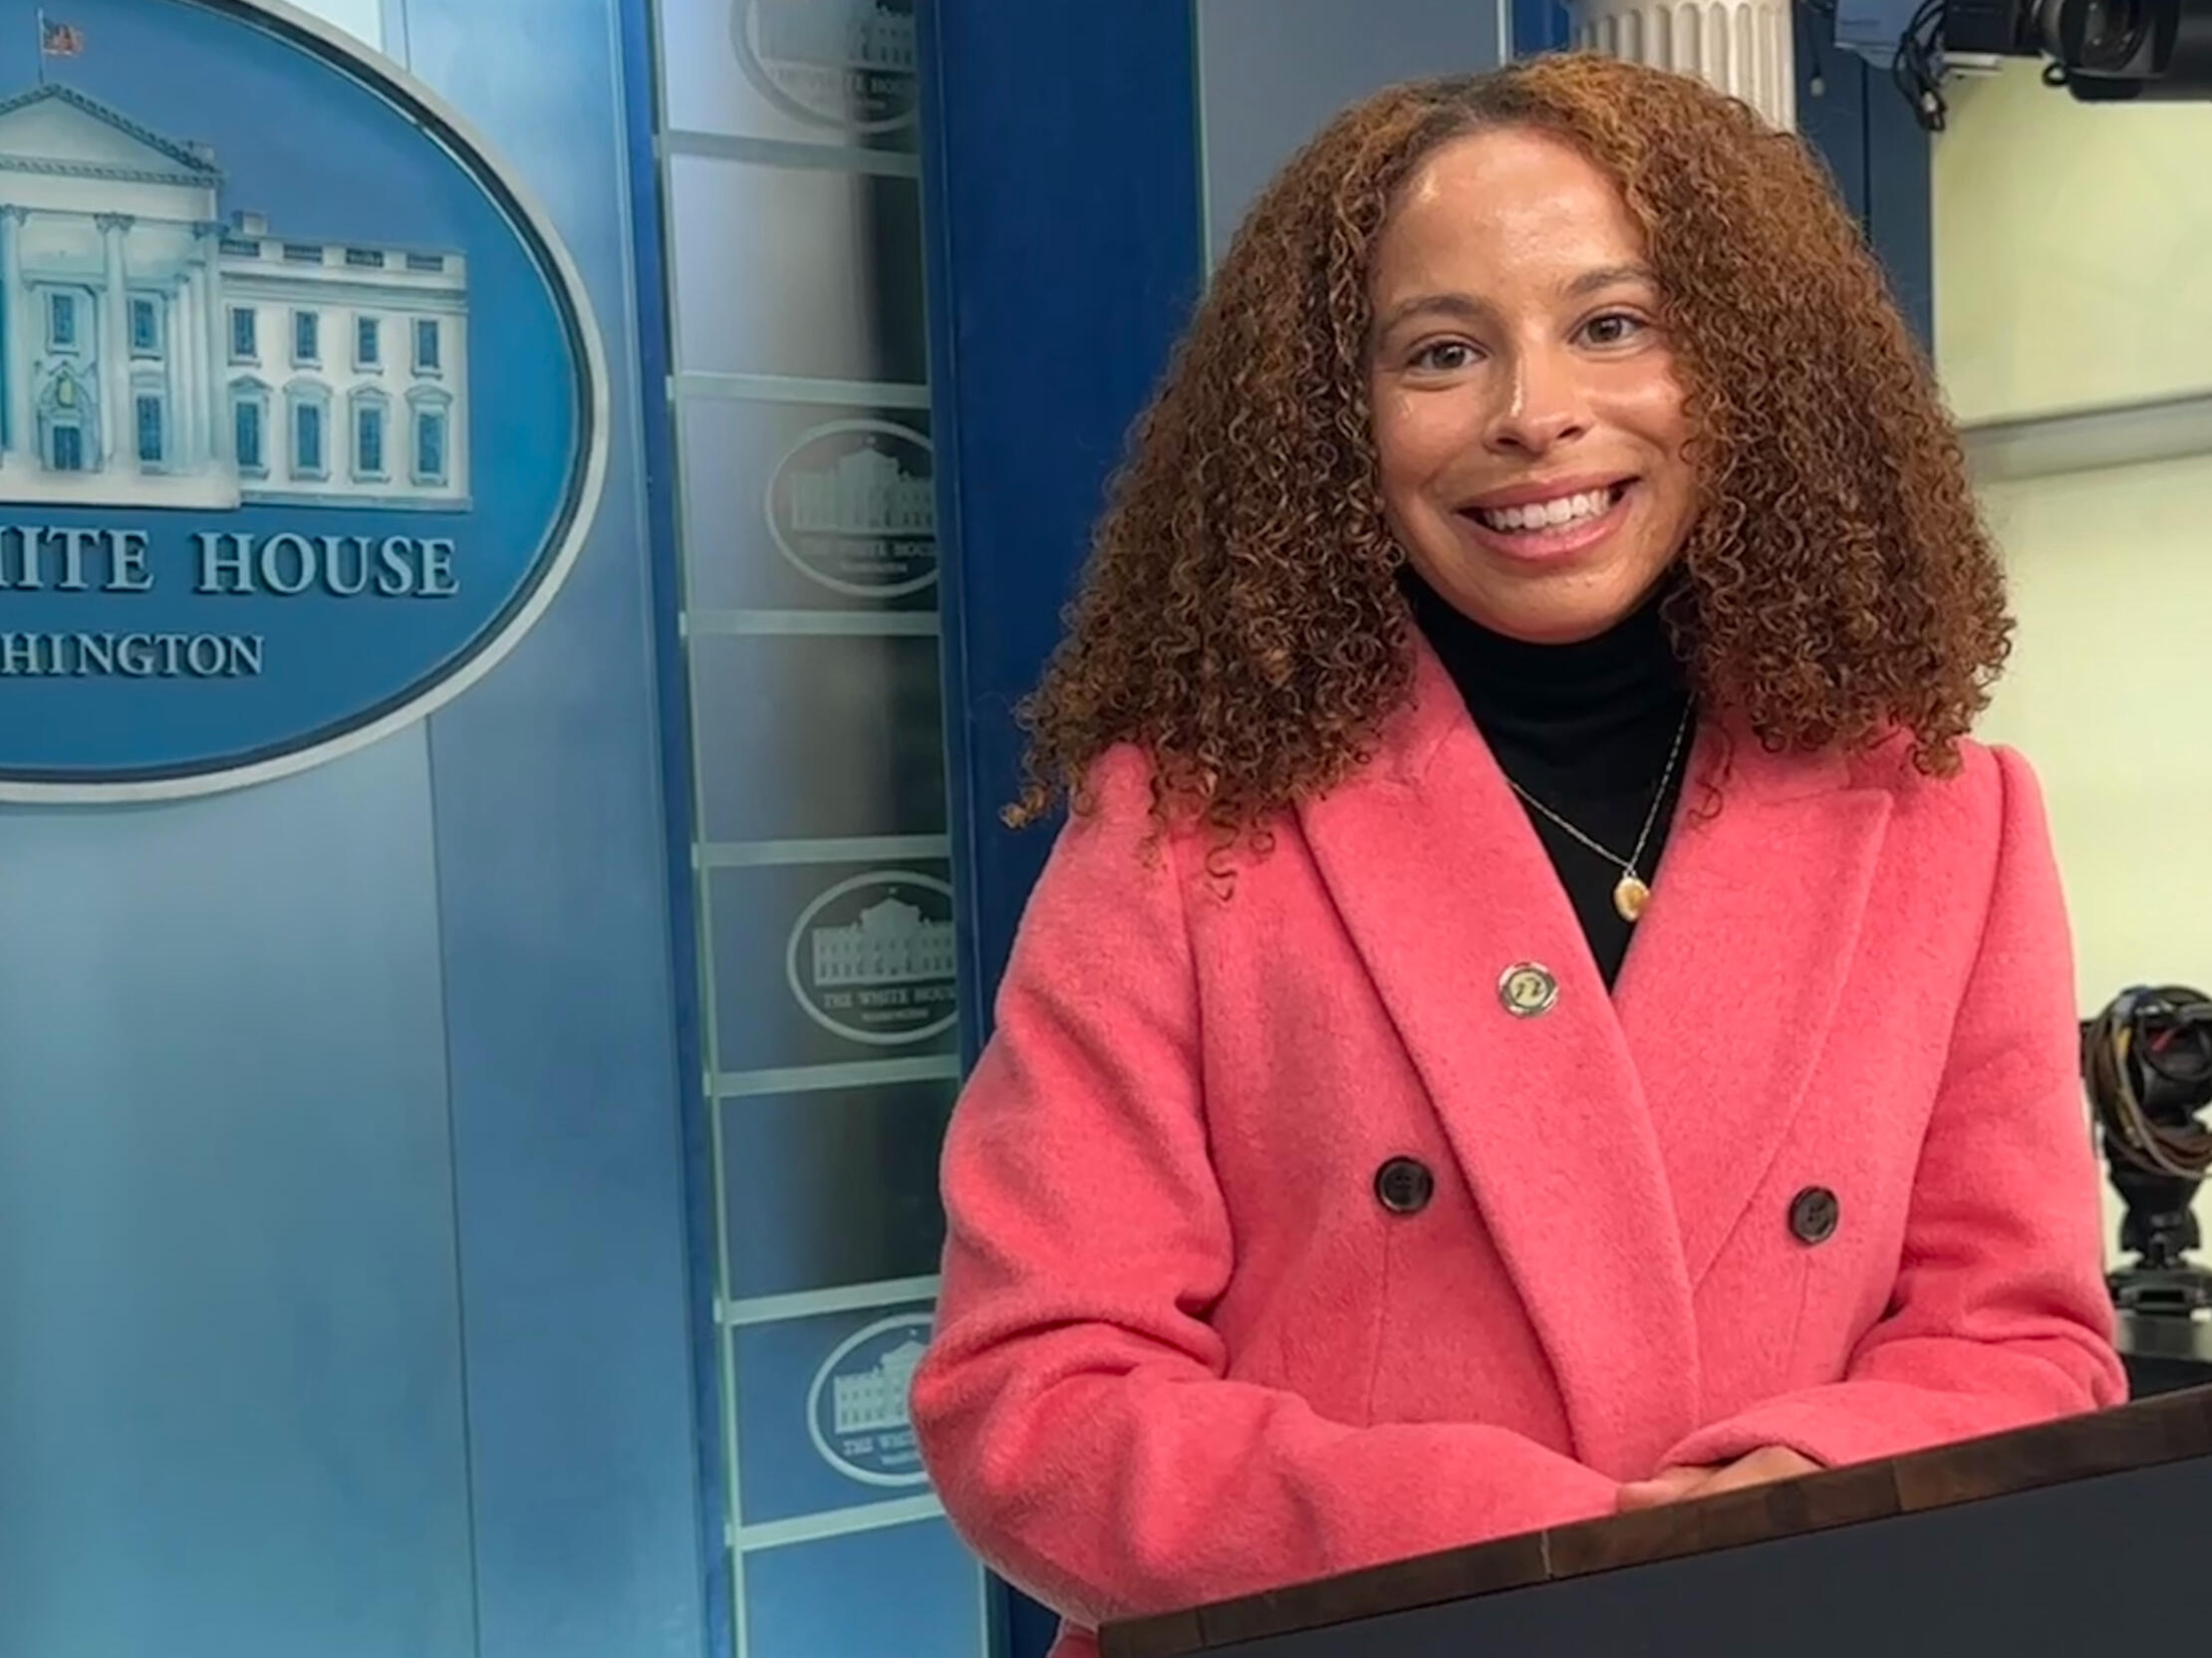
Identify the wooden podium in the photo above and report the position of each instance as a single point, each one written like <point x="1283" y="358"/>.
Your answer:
<point x="2080" y="1538"/>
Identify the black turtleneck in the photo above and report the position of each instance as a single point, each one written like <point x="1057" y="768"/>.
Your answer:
<point x="1586" y="728"/>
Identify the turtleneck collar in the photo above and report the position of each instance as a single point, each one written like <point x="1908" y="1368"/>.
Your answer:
<point x="1625" y="680"/>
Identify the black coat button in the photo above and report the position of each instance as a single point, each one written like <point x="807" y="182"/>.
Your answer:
<point x="1814" y="1215"/>
<point x="1404" y="1187"/>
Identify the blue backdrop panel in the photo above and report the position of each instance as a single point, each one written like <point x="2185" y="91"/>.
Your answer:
<point x="554" y="908"/>
<point x="905" y="1589"/>
<point x="230" y="1407"/>
<point x="1831" y="105"/>
<point x="1066" y="246"/>
<point x="1538" y="26"/>
<point x="1854" y="116"/>
<point x="1061" y="198"/>
<point x="339" y="1150"/>
<point x="1898" y="210"/>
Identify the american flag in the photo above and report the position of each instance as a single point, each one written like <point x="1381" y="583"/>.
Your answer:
<point x="59" y="40"/>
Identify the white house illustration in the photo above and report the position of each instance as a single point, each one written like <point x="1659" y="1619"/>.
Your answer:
<point x="152" y="355"/>
<point x="891" y="943"/>
<point x="876" y="1400"/>
<point x="858" y="35"/>
<point x="863" y="492"/>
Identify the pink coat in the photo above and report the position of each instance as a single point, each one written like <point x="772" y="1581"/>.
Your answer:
<point x="1816" y="1174"/>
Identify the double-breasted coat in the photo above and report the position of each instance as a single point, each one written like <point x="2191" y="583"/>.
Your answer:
<point x="1347" y="1216"/>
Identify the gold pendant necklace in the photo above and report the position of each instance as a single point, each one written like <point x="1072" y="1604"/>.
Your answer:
<point x="1631" y="892"/>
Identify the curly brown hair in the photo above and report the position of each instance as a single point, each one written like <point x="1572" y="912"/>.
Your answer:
<point x="1241" y="618"/>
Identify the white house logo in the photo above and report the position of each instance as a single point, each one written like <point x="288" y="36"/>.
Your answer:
<point x="857" y="1411"/>
<point x="873" y="959"/>
<point x="854" y="506"/>
<point x="833" y="63"/>
<point x="156" y="356"/>
<point x="249" y="521"/>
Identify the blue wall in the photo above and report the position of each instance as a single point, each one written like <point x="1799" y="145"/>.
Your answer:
<point x="1038" y="380"/>
<point x="342" y="1198"/>
<point x="1853" y="113"/>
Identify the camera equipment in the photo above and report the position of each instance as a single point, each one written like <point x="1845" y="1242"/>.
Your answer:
<point x="2146" y="1061"/>
<point x="2101" y="50"/>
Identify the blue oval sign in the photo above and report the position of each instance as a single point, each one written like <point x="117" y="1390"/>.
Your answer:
<point x="303" y="413"/>
<point x="857" y="1412"/>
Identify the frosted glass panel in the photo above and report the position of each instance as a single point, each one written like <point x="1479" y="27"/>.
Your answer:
<point x="820" y="72"/>
<point x="806" y="481"/>
<point x="813" y="272"/>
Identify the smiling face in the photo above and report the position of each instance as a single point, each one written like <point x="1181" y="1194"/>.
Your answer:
<point x="1527" y="419"/>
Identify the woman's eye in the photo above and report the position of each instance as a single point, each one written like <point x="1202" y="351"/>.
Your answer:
<point x="1444" y="356"/>
<point x="1613" y="329"/>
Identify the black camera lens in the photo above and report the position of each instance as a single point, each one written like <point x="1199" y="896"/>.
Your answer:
<point x="2111" y="34"/>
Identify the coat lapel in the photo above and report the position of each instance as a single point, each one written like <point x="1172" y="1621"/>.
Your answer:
<point x="1729" y="991"/>
<point x="1443" y="885"/>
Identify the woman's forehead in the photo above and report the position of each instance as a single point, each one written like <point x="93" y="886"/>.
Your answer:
<point x="1509" y="206"/>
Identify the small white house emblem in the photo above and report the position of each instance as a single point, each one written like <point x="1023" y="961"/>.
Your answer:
<point x="830" y="63"/>
<point x="857" y="1411"/>
<point x="873" y="959"/>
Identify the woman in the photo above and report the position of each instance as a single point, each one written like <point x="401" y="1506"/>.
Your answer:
<point x="1382" y="1145"/>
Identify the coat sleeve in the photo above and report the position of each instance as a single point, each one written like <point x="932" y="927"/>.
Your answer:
<point x="2001" y="1317"/>
<point x="1073" y="1410"/>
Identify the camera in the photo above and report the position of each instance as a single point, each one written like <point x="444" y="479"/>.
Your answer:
<point x="2101" y="50"/>
<point x="2146" y="1065"/>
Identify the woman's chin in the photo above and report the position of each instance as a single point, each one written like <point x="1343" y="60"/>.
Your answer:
<point x="1554" y="609"/>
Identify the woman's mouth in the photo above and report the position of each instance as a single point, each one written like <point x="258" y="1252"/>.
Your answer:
<point x="1548" y="529"/>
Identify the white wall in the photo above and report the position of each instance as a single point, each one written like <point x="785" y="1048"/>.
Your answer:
<point x="2071" y="250"/>
<point x="2069" y="241"/>
<point x="2112" y="698"/>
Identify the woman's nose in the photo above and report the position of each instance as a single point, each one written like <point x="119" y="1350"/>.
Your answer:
<point x="1542" y="405"/>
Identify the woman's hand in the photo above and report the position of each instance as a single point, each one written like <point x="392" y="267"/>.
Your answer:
<point x="1677" y="1485"/>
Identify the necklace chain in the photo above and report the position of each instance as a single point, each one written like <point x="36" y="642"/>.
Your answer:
<point x="1628" y="865"/>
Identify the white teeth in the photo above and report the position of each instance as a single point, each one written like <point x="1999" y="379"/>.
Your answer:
<point x="1549" y="514"/>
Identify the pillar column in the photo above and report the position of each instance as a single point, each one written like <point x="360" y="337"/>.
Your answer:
<point x="1744" y="48"/>
<point x="214" y="392"/>
<point x="118" y="427"/>
<point x="17" y="424"/>
<point x="187" y="345"/>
